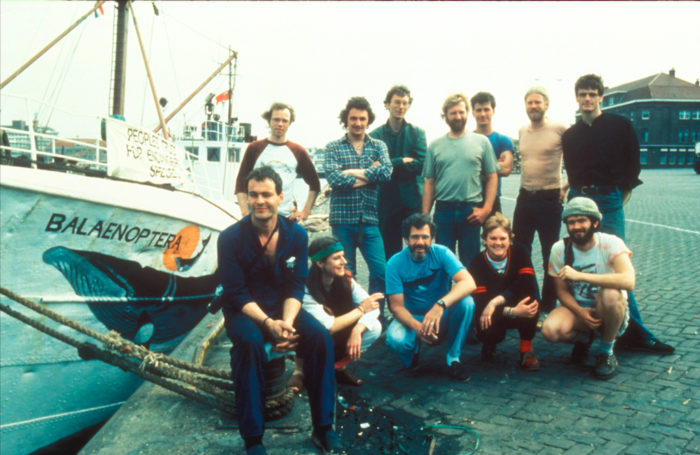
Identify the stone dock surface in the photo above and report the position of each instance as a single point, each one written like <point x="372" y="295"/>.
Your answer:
<point x="651" y="407"/>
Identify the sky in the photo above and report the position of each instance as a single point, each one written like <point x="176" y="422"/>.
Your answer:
<point x="316" y="55"/>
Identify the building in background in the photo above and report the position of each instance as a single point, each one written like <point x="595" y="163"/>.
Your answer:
<point x="665" y="112"/>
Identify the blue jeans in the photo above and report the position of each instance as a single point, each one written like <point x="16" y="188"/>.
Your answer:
<point x="454" y="326"/>
<point x="248" y="358"/>
<point x="539" y="212"/>
<point x="452" y="227"/>
<point x="610" y="205"/>
<point x="368" y="239"/>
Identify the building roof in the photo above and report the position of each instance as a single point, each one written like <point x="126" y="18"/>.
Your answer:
<point x="658" y="86"/>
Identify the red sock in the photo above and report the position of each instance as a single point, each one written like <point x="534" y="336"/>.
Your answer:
<point x="525" y="345"/>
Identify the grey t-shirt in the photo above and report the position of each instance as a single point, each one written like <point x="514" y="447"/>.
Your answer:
<point x="457" y="166"/>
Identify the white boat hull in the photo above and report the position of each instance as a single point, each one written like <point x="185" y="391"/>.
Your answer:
<point x="70" y="239"/>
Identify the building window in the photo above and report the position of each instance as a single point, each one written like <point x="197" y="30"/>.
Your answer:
<point x="632" y="116"/>
<point x="662" y="158"/>
<point x="683" y="135"/>
<point x="684" y="115"/>
<point x="645" y="135"/>
<point x="643" y="158"/>
<point x="696" y="136"/>
<point x="671" y="159"/>
<point x="681" y="159"/>
<point x="192" y="153"/>
<point x="645" y="115"/>
<point x="213" y="153"/>
<point x="696" y="115"/>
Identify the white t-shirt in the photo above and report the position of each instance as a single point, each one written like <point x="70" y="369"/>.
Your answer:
<point x="318" y="311"/>
<point x="598" y="260"/>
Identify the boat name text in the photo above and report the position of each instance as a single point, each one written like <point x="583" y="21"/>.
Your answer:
<point x="112" y="231"/>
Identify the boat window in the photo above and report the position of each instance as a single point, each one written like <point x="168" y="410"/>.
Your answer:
<point x="232" y="153"/>
<point x="213" y="153"/>
<point x="193" y="153"/>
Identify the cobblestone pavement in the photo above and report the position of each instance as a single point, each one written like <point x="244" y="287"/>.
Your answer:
<point x="651" y="407"/>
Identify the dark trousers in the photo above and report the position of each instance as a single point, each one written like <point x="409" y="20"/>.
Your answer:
<point x="390" y="227"/>
<point x="497" y="332"/>
<point x="540" y="212"/>
<point x="248" y="359"/>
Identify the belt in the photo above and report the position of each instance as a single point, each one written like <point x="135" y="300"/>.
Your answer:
<point x="537" y="193"/>
<point x="456" y="203"/>
<point x="590" y="190"/>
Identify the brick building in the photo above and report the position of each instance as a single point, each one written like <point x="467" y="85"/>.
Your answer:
<point x="665" y="112"/>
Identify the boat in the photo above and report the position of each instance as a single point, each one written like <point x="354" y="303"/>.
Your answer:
<point x="118" y="233"/>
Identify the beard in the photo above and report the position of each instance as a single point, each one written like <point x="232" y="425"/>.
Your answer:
<point x="581" y="237"/>
<point x="418" y="253"/>
<point x="457" y="125"/>
<point x="535" y="115"/>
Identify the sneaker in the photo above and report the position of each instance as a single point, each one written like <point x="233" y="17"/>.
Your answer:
<point x="457" y="371"/>
<point x="329" y="442"/>
<point x="605" y="366"/>
<point x="528" y="361"/>
<point x="488" y="350"/>
<point x="653" y="346"/>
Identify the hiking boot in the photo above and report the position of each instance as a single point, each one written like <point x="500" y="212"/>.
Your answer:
<point x="528" y="361"/>
<point x="488" y="350"/>
<point x="328" y="442"/>
<point x="457" y="371"/>
<point x="343" y="376"/>
<point x="605" y="366"/>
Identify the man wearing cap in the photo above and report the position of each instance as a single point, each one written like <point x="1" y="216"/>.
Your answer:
<point x="427" y="309"/>
<point x="592" y="273"/>
<point x="291" y="161"/>
<point x="262" y="266"/>
<point x="538" y="207"/>
<point x="401" y="196"/>
<point x="601" y="154"/>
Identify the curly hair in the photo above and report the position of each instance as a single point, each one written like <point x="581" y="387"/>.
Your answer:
<point x="359" y="103"/>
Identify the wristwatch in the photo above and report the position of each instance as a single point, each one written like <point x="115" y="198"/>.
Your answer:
<point x="441" y="303"/>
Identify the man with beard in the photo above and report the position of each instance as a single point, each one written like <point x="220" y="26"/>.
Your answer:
<point x="401" y="196"/>
<point x="454" y="168"/>
<point x="592" y="273"/>
<point x="291" y="161"/>
<point x="426" y="309"/>
<point x="601" y="154"/>
<point x="262" y="267"/>
<point x="538" y="207"/>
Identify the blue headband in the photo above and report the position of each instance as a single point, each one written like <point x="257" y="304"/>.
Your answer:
<point x="327" y="251"/>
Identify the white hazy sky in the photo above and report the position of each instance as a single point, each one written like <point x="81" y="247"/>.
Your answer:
<point x="315" y="55"/>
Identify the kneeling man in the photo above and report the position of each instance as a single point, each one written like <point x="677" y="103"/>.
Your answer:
<point x="426" y="309"/>
<point x="593" y="273"/>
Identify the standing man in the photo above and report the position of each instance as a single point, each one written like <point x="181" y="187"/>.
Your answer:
<point x="592" y="273"/>
<point x="454" y="168"/>
<point x="483" y="108"/>
<point x="355" y="165"/>
<point x="401" y="196"/>
<point x="601" y="154"/>
<point x="538" y="207"/>
<point x="426" y="308"/>
<point x="263" y="266"/>
<point x="291" y="161"/>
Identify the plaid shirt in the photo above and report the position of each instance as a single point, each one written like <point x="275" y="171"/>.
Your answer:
<point x="355" y="205"/>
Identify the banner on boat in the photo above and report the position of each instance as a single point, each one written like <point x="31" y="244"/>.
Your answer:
<point x="142" y="156"/>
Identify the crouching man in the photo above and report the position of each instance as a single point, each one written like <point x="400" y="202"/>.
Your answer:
<point x="426" y="309"/>
<point x="263" y="266"/>
<point x="593" y="273"/>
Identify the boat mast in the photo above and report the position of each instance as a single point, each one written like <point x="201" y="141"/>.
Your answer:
<point x="50" y="45"/>
<point x="148" y="73"/>
<point x="197" y="90"/>
<point x="230" y="91"/>
<point x="119" y="59"/>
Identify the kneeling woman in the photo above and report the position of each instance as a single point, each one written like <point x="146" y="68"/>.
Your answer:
<point x="335" y="299"/>
<point x="506" y="292"/>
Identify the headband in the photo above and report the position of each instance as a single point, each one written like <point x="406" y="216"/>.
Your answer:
<point x="327" y="251"/>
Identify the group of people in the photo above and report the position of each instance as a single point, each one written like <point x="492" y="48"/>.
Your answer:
<point x="281" y="294"/>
